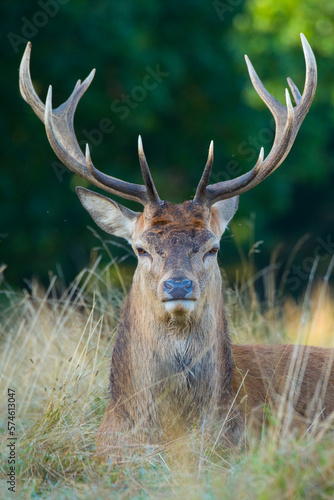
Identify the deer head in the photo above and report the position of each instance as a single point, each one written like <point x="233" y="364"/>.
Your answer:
<point x="176" y="245"/>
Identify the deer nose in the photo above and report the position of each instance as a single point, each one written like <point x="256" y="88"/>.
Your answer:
<point x="178" y="289"/>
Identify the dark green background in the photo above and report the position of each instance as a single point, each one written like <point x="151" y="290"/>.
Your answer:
<point x="206" y="95"/>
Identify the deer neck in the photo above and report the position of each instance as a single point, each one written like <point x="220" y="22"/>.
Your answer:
<point x="201" y="340"/>
<point x="174" y="377"/>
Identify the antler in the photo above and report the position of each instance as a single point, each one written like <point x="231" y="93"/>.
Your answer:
<point x="60" y="132"/>
<point x="287" y="120"/>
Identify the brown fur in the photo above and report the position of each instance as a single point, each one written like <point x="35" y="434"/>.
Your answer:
<point x="297" y="381"/>
<point x="171" y="374"/>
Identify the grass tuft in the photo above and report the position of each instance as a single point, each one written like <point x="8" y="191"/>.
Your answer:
<point x="55" y="353"/>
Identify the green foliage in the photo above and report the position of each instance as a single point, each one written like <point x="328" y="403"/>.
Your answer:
<point x="205" y="94"/>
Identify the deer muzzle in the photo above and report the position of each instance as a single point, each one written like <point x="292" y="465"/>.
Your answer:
<point x="178" y="289"/>
<point x="178" y="294"/>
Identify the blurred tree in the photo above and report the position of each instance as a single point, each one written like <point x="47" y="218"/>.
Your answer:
<point x="298" y="198"/>
<point x="202" y="92"/>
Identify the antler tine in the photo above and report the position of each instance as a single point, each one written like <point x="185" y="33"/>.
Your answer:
<point x="26" y="87"/>
<point x="61" y="135"/>
<point x="310" y="82"/>
<point x="124" y="189"/>
<point x="276" y="108"/>
<point x="152" y="193"/>
<point x="203" y="183"/>
<point x="287" y="120"/>
<point x="294" y="90"/>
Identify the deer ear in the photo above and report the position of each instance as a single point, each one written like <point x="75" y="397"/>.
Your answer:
<point x="109" y="215"/>
<point x="221" y="214"/>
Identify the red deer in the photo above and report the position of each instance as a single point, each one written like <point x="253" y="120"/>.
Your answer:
<point x="173" y="365"/>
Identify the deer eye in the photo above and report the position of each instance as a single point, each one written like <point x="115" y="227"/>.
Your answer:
<point x="141" y="252"/>
<point x="213" y="251"/>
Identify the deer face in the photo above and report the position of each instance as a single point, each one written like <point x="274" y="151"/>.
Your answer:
<point x="176" y="246"/>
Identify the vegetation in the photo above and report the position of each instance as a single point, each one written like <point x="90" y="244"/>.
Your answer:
<point x="56" y="345"/>
<point x="204" y="94"/>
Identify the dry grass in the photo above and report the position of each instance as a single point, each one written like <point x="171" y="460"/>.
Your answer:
<point x="55" y="352"/>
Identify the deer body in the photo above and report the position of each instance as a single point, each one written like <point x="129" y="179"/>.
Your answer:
<point x="173" y="366"/>
<point x="295" y="380"/>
